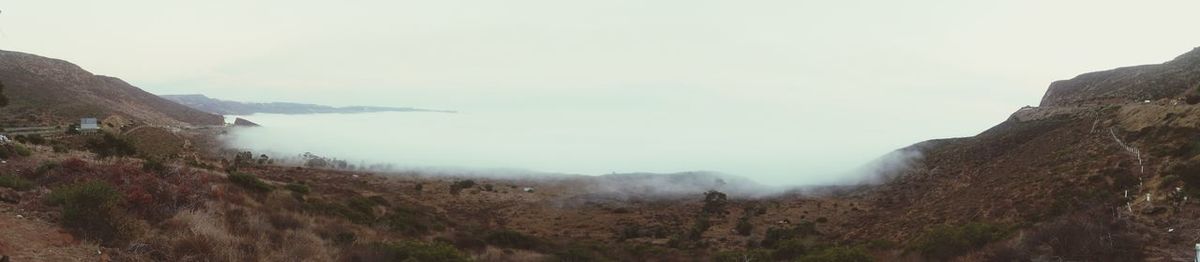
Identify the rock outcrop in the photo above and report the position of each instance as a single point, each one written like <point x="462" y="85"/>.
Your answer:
<point x="1129" y="84"/>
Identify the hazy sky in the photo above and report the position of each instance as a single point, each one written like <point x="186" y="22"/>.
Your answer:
<point x="844" y="78"/>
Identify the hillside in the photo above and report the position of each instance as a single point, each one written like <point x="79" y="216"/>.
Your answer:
<point x="47" y="91"/>
<point x="225" y="107"/>
<point x="1094" y="174"/>
<point x="1097" y="174"/>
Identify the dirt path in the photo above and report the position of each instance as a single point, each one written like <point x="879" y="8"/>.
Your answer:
<point x="29" y="239"/>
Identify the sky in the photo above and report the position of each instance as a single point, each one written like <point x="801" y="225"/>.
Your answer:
<point x="845" y="80"/>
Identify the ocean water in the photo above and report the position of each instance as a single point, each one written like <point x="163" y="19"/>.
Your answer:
<point x="572" y="143"/>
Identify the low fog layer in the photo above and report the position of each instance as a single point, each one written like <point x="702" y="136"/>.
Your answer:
<point x="516" y="144"/>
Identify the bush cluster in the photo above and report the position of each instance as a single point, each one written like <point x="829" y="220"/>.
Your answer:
<point x="512" y="239"/>
<point x="250" y="181"/>
<point x="948" y="241"/>
<point x="410" y="251"/>
<point x="92" y="210"/>
<point x="15" y="182"/>
<point x="460" y="185"/>
<point x="109" y="145"/>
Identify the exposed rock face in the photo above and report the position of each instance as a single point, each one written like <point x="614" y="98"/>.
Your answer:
<point x="1128" y="84"/>
<point x="50" y="91"/>
<point x="243" y="122"/>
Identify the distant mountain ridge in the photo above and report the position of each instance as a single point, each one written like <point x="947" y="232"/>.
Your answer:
<point x="226" y="107"/>
<point x="47" y="91"/>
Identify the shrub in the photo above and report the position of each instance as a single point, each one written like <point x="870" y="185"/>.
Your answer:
<point x="777" y="235"/>
<point x="60" y="148"/>
<point x="46" y="167"/>
<point x="838" y="254"/>
<point x="742" y="256"/>
<point x="92" y="210"/>
<point x="21" y="150"/>
<point x="575" y="254"/>
<point x="153" y="165"/>
<point x="460" y="185"/>
<point x="298" y="188"/>
<point x="407" y="221"/>
<point x="250" y="181"/>
<point x="949" y="241"/>
<point x="415" y="251"/>
<point x="702" y="224"/>
<point x="512" y="239"/>
<point x="35" y="139"/>
<point x="15" y="182"/>
<point x="744" y="227"/>
<point x="792" y="248"/>
<point x="110" y="145"/>
<point x="714" y="202"/>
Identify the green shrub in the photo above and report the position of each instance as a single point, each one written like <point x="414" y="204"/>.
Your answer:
<point x="153" y="165"/>
<point x="575" y="254"/>
<point x="60" y="148"/>
<point x="777" y="235"/>
<point x="92" y="210"/>
<point x="35" y="139"/>
<point x="419" y="251"/>
<point x="15" y="182"/>
<point x="460" y="185"/>
<point x="949" y="241"/>
<point x="512" y="239"/>
<point x="21" y="150"/>
<point x="110" y="145"/>
<point x="407" y="221"/>
<point x="743" y="256"/>
<point x="335" y="209"/>
<point x="250" y="181"/>
<point x="744" y="227"/>
<point x="793" y="248"/>
<point x="698" y="228"/>
<point x="838" y="254"/>
<point x="46" y="167"/>
<point x="298" y="188"/>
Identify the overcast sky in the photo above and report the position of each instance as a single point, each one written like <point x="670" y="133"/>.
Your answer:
<point x="875" y="74"/>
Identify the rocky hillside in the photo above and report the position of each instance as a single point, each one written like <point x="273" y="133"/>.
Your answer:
<point x="1129" y="84"/>
<point x="1096" y="173"/>
<point x="47" y="91"/>
<point x="226" y="107"/>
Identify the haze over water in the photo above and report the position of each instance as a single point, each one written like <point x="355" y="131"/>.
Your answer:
<point x="576" y="143"/>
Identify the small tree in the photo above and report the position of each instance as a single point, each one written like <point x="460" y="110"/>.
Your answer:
<point x="714" y="202"/>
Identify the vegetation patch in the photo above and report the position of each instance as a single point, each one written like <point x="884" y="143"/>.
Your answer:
<point x="298" y="188"/>
<point x="410" y="251"/>
<point x="743" y="255"/>
<point x="250" y="181"/>
<point x="512" y="239"/>
<point x="838" y="254"/>
<point x="948" y="241"/>
<point x="15" y="182"/>
<point x="109" y="145"/>
<point x="92" y="210"/>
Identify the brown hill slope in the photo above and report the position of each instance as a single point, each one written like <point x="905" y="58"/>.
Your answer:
<point x="1095" y="174"/>
<point x="1128" y="84"/>
<point x="50" y="91"/>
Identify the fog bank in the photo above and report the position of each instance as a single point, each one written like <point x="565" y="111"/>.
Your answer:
<point x="540" y="144"/>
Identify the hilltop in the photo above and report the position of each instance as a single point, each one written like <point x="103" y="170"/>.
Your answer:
<point x="47" y="91"/>
<point x="226" y="107"/>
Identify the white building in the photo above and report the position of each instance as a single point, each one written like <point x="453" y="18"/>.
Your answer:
<point x="88" y="125"/>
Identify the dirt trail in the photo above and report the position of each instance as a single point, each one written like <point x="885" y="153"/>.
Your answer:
<point x="30" y="239"/>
